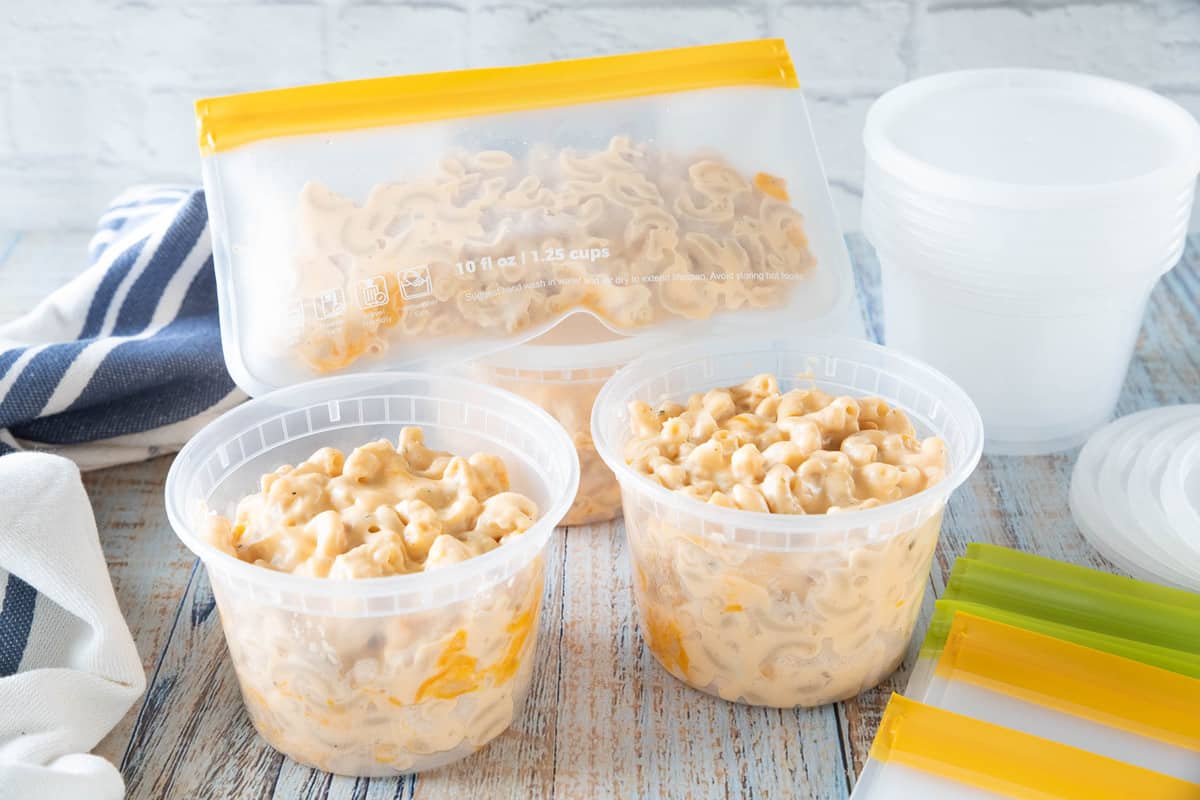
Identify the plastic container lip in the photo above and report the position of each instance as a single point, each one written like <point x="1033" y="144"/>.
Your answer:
<point x="624" y="385"/>
<point x="901" y="165"/>
<point x="982" y="230"/>
<point x="247" y="417"/>
<point x="1046" y="296"/>
<point x="1017" y="285"/>
<point x="926" y="207"/>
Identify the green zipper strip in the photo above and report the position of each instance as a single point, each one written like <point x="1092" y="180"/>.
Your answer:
<point x="1143" y="621"/>
<point x="1084" y="577"/>
<point x="1126" y="615"/>
<point x="1148" y="653"/>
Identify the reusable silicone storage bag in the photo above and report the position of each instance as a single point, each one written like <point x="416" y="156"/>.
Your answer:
<point x="1145" y="622"/>
<point x="1062" y="691"/>
<point x="925" y="752"/>
<point x="426" y="220"/>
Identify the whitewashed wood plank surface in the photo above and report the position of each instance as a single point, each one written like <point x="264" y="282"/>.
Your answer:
<point x="603" y="720"/>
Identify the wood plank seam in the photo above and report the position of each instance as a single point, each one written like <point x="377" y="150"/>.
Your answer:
<point x="562" y="632"/>
<point x="152" y="680"/>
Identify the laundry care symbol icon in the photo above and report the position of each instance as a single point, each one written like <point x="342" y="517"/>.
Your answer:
<point x="329" y="304"/>
<point x="373" y="292"/>
<point x="415" y="283"/>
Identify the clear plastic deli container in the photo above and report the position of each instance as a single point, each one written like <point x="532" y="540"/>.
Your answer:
<point x="562" y="371"/>
<point x="1022" y="218"/>
<point x="783" y="609"/>
<point x="378" y="676"/>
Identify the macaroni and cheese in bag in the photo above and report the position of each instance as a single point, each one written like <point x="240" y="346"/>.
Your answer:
<point x="425" y="220"/>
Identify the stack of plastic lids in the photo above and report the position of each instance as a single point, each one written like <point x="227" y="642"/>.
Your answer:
<point x="1047" y="680"/>
<point x="1135" y="494"/>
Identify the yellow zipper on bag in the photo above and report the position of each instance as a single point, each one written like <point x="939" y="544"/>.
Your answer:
<point x="1073" y="679"/>
<point x="234" y="120"/>
<point x="1008" y="762"/>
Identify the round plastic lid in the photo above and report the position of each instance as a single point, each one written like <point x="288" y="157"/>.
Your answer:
<point x="1180" y="491"/>
<point x="1112" y="495"/>
<point x="1023" y="137"/>
<point x="1144" y="494"/>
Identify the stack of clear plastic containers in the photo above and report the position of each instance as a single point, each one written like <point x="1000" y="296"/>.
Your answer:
<point x="783" y="609"/>
<point x="1021" y="218"/>
<point x="1135" y="494"/>
<point x="1044" y="679"/>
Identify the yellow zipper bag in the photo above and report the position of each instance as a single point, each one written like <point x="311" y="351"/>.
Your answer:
<point x="418" y="221"/>
<point x="1048" y="687"/>
<point x="925" y="752"/>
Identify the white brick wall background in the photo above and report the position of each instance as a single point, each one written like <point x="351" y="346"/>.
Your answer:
<point x="97" y="94"/>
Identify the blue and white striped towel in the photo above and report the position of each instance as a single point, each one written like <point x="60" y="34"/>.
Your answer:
<point x="69" y="669"/>
<point x="124" y="362"/>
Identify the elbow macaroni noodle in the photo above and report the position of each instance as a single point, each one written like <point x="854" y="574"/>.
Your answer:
<point x="381" y="511"/>
<point x="493" y="244"/>
<point x="387" y="694"/>
<point x="779" y="627"/>
<point x="569" y="399"/>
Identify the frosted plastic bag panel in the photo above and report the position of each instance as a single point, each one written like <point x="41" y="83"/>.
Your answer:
<point x="420" y="221"/>
<point x="1064" y="692"/>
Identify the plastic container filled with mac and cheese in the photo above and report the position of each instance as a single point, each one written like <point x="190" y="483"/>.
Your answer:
<point x="379" y="675"/>
<point x="562" y="371"/>
<point x="808" y="606"/>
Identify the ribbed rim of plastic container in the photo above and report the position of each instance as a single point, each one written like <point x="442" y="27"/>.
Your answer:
<point x="942" y="213"/>
<point x="988" y="266"/>
<point x="969" y="230"/>
<point x="243" y="419"/>
<point x="902" y="166"/>
<point x="977" y="249"/>
<point x="958" y="274"/>
<point x="610" y="413"/>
